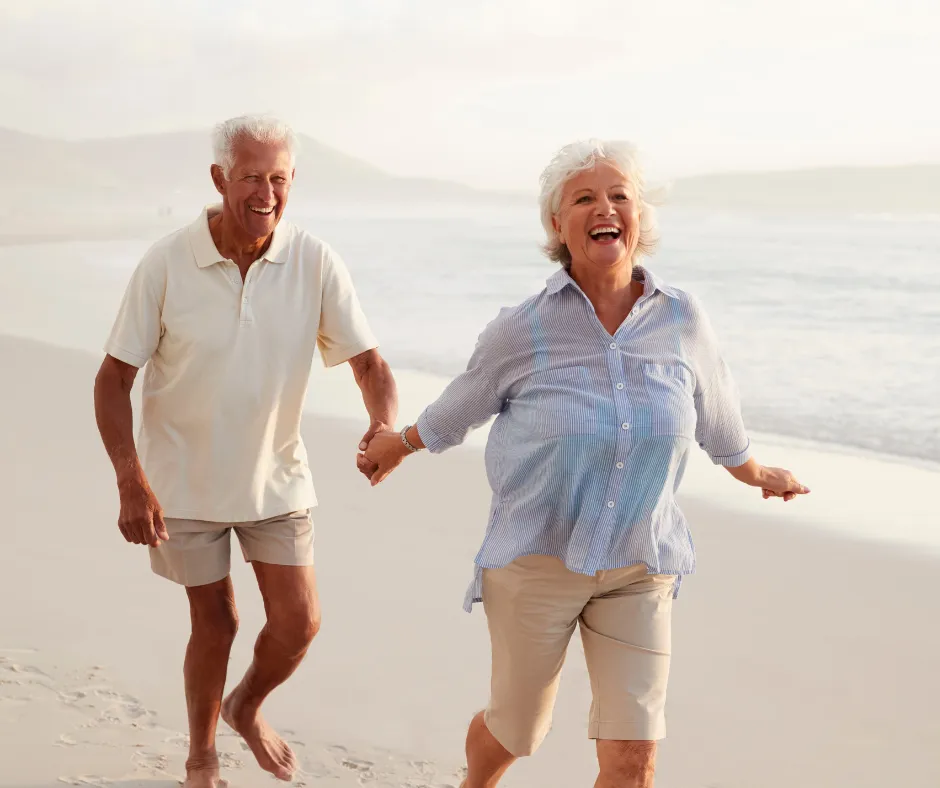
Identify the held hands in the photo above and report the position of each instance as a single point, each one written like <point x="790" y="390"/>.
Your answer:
<point x="380" y="454"/>
<point x="141" y="517"/>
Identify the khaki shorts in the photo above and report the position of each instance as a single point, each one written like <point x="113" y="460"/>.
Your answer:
<point x="199" y="552"/>
<point x="532" y="606"/>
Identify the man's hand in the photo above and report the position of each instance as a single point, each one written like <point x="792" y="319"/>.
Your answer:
<point x="384" y="453"/>
<point x="141" y="518"/>
<point x="366" y="467"/>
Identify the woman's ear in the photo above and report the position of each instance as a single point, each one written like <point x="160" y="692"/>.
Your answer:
<point x="556" y="226"/>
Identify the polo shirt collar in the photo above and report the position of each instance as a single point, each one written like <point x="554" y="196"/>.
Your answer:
<point x="206" y="253"/>
<point x="651" y="283"/>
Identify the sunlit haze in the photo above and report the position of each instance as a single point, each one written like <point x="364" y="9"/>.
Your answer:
<point x="483" y="91"/>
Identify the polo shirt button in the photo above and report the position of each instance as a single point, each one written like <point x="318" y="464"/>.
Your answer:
<point x="625" y="426"/>
<point x="610" y="504"/>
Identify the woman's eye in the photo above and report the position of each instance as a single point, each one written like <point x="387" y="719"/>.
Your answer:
<point x="582" y="199"/>
<point x="621" y="197"/>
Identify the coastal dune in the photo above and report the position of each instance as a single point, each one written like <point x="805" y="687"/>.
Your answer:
<point x="801" y="657"/>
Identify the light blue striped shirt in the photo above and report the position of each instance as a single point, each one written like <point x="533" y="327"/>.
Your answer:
<point x="593" y="431"/>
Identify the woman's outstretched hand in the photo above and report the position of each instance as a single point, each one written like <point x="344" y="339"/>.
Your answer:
<point x="383" y="454"/>
<point x="780" y="483"/>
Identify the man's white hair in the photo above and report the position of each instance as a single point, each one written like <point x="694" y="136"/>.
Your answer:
<point x="262" y="128"/>
<point x="578" y="157"/>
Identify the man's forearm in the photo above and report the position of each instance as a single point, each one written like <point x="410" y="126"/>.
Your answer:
<point x="377" y="384"/>
<point x="114" y="415"/>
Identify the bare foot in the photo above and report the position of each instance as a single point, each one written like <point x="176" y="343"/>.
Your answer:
<point x="203" y="773"/>
<point x="270" y="750"/>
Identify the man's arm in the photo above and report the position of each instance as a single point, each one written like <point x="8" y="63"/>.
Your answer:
<point x="379" y="392"/>
<point x="141" y="518"/>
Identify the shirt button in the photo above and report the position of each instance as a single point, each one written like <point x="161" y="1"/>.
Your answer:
<point x="613" y="345"/>
<point x="244" y="300"/>
<point x="620" y="465"/>
<point x="610" y="504"/>
<point x="625" y="426"/>
<point x="619" y="386"/>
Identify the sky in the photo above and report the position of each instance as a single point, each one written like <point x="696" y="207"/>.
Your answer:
<point x="484" y="91"/>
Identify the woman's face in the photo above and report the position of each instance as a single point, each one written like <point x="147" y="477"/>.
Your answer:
<point x="599" y="218"/>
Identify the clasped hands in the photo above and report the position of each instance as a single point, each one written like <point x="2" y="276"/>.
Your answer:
<point x="380" y="452"/>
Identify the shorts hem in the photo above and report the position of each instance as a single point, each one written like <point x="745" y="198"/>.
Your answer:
<point x="627" y="731"/>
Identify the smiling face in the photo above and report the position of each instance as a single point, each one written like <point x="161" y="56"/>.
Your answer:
<point x="254" y="195"/>
<point x="598" y="218"/>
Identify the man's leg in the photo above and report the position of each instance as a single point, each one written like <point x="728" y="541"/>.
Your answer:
<point x="293" y="618"/>
<point x="625" y="764"/>
<point x="214" y="623"/>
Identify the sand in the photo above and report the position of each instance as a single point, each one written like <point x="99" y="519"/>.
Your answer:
<point x="802" y="657"/>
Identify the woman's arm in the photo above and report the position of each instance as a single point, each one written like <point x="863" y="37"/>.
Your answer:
<point x="775" y="482"/>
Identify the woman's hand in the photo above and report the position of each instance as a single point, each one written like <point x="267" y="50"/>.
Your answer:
<point x="384" y="452"/>
<point x="775" y="482"/>
<point x="780" y="483"/>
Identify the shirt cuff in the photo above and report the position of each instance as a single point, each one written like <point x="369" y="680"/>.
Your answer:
<point x="733" y="460"/>
<point x="337" y="355"/>
<point x="433" y="442"/>
<point x="134" y="359"/>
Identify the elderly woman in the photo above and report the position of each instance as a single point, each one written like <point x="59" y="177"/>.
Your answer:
<point x="601" y="383"/>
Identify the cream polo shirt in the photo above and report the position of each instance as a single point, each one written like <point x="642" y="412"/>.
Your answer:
<point x="227" y="367"/>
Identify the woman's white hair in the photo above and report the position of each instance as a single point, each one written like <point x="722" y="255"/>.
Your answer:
<point x="261" y="128"/>
<point x="578" y="157"/>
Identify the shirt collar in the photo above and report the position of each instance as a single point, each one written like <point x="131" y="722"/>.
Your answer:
<point x="651" y="283"/>
<point x="206" y="253"/>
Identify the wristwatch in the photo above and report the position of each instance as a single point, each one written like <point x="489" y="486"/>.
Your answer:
<point x="405" y="440"/>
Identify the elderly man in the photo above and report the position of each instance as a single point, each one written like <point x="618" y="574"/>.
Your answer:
<point x="226" y="314"/>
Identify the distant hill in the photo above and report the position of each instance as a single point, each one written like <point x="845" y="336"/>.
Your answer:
<point x="910" y="189"/>
<point x="104" y="187"/>
<point x="127" y="185"/>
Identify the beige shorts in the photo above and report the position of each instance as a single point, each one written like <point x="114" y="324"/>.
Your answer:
<point x="199" y="552"/>
<point x="532" y="606"/>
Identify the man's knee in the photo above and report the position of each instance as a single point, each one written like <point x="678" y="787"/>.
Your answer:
<point x="213" y="614"/>
<point x="294" y="629"/>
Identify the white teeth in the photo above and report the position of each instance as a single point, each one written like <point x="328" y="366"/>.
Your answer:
<point x="598" y="230"/>
<point x="263" y="211"/>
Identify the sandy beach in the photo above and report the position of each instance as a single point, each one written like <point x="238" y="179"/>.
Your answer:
<point x="801" y="657"/>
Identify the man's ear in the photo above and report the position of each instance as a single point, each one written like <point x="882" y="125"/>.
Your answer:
<point x="218" y="178"/>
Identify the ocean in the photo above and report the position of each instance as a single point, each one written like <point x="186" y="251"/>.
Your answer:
<point x="831" y="326"/>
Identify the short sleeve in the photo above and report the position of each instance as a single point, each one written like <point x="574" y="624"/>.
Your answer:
<point x="344" y="331"/>
<point x="138" y="327"/>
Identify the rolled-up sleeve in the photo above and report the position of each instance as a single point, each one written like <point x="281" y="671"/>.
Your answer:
<point x="719" y="427"/>
<point x="467" y="403"/>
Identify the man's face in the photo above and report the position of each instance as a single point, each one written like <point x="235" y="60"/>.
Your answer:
<point x="255" y="192"/>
